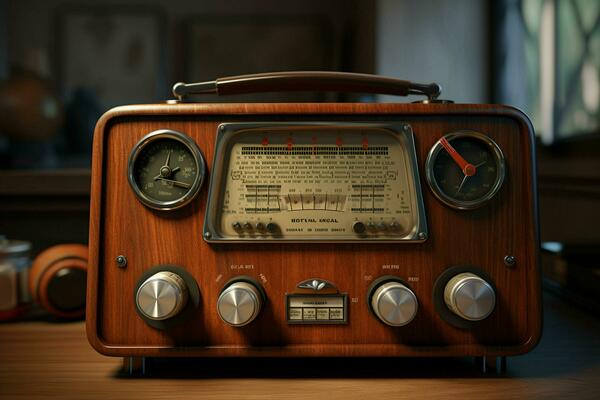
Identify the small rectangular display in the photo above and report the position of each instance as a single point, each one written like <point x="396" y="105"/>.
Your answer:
<point x="316" y="309"/>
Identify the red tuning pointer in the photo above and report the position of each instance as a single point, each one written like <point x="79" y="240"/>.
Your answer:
<point x="467" y="168"/>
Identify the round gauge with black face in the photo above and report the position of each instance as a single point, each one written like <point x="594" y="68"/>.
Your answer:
<point x="465" y="169"/>
<point x="166" y="170"/>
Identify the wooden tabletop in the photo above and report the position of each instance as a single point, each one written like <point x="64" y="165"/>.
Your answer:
<point x="45" y="359"/>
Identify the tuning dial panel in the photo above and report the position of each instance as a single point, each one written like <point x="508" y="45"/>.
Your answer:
<point x="162" y="296"/>
<point x="239" y="303"/>
<point x="393" y="303"/>
<point x="302" y="183"/>
<point x="469" y="296"/>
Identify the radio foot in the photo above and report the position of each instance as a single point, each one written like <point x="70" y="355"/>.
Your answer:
<point x="491" y="364"/>
<point x="134" y="366"/>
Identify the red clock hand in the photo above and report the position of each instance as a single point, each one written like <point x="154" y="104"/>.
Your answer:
<point x="467" y="168"/>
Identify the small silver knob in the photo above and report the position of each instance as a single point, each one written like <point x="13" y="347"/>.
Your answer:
<point x="162" y="296"/>
<point x="470" y="297"/>
<point x="394" y="304"/>
<point x="239" y="303"/>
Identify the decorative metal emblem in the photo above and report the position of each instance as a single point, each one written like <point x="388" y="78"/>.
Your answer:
<point x="315" y="284"/>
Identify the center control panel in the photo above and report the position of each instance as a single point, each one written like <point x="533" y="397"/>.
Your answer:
<point x="165" y="294"/>
<point x="313" y="230"/>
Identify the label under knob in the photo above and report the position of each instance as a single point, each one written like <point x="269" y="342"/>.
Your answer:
<point x="162" y="296"/>
<point x="239" y="303"/>
<point x="470" y="297"/>
<point x="394" y="303"/>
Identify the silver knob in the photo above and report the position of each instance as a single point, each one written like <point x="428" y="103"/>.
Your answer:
<point x="470" y="297"/>
<point x="162" y="296"/>
<point x="394" y="304"/>
<point x="239" y="303"/>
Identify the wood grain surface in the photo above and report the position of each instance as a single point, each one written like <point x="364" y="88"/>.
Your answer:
<point x="121" y="225"/>
<point x="50" y="360"/>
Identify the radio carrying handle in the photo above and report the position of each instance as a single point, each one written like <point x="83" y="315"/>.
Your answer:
<point x="304" y="81"/>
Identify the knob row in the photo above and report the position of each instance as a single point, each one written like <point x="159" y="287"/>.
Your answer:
<point x="165" y="294"/>
<point x="467" y="295"/>
<point x="260" y="227"/>
<point x="360" y="227"/>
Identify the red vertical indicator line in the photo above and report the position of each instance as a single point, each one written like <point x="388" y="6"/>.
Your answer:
<point x="265" y="141"/>
<point x="290" y="143"/>
<point x="365" y="143"/>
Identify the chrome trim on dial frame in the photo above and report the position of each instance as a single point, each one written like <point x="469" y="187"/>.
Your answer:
<point x="226" y="132"/>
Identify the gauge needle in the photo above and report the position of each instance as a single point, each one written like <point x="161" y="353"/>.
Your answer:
<point x="176" y="183"/>
<point x="157" y="177"/>
<point x="467" y="168"/>
<point x="462" y="183"/>
<point x="168" y="158"/>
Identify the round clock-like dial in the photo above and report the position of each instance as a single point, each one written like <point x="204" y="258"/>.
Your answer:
<point x="166" y="170"/>
<point x="465" y="169"/>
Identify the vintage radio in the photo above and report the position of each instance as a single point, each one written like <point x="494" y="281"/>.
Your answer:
<point x="313" y="229"/>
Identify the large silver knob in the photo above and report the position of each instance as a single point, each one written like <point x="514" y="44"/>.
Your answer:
<point x="239" y="303"/>
<point x="470" y="297"/>
<point x="394" y="303"/>
<point x="162" y="296"/>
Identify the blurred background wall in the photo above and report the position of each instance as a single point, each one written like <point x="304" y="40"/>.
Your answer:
<point x="443" y="41"/>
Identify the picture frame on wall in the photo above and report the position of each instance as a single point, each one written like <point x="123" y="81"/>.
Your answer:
<point x="219" y="45"/>
<point x="113" y="54"/>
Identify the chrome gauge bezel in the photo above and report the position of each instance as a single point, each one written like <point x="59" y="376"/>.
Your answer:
<point x="462" y="204"/>
<point x="198" y="159"/>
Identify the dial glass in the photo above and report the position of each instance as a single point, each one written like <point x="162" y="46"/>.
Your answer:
<point x="315" y="182"/>
<point x="465" y="169"/>
<point x="166" y="170"/>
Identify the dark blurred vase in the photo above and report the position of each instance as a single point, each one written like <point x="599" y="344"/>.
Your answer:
<point x="29" y="108"/>
<point x="31" y="115"/>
